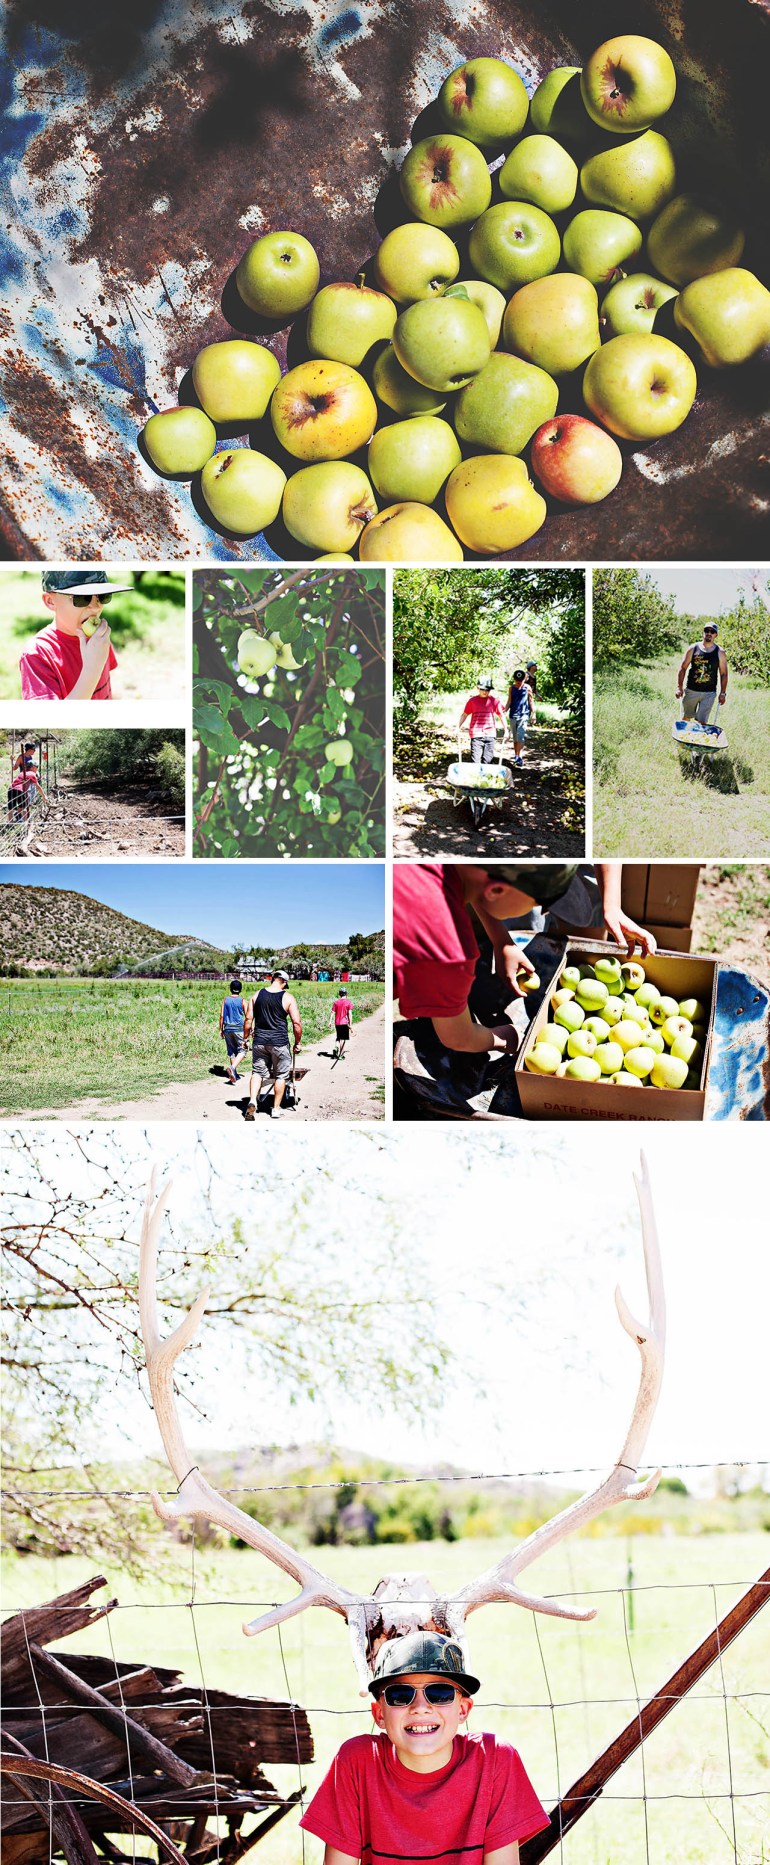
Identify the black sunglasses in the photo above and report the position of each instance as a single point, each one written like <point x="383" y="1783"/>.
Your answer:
<point x="399" y="1696"/>
<point x="81" y="601"/>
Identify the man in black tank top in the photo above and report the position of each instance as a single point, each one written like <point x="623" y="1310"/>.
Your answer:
<point x="267" y="1023"/>
<point x="703" y="668"/>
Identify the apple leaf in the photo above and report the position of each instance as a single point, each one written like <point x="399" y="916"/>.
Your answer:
<point x="276" y="714"/>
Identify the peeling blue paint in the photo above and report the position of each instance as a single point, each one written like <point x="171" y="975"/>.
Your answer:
<point x="341" y="30"/>
<point x="739" y="1048"/>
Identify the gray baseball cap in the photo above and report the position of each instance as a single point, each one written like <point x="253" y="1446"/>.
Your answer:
<point x="485" y="682"/>
<point x="80" y="583"/>
<point x="429" y="1654"/>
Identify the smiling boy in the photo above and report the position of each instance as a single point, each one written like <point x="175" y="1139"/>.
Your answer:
<point x="419" y="1786"/>
<point x="72" y="658"/>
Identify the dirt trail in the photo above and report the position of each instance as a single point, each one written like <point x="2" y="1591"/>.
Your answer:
<point x="531" y="822"/>
<point x="330" y="1091"/>
<point x="96" y="825"/>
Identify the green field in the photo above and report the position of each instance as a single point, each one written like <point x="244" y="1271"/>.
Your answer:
<point x="649" y="801"/>
<point x="587" y="1671"/>
<point x="63" y="1039"/>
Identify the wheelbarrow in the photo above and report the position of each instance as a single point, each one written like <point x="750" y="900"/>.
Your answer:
<point x="700" y="740"/>
<point x="482" y="786"/>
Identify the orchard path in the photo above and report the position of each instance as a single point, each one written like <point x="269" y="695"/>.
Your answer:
<point x="427" y="823"/>
<point x="345" y="1091"/>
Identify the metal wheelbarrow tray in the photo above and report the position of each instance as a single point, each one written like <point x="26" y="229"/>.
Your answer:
<point x="483" y="786"/>
<point x="144" y="147"/>
<point x="693" y="736"/>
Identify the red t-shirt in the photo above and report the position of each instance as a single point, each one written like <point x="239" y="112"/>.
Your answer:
<point x="343" y="1009"/>
<point x="54" y="665"/>
<point x="375" y="1809"/>
<point x="484" y="709"/>
<point x="434" y="948"/>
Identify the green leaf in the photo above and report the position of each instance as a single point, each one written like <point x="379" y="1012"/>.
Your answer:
<point x="208" y="719"/>
<point x="336" y="705"/>
<point x="254" y="709"/>
<point x="276" y="714"/>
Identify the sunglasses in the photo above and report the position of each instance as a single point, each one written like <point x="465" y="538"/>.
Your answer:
<point x="82" y="601"/>
<point x="399" y="1696"/>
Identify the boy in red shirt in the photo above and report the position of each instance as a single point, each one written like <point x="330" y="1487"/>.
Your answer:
<point x="416" y="1788"/>
<point x="482" y="711"/>
<point x="72" y="658"/>
<point x="341" y="1017"/>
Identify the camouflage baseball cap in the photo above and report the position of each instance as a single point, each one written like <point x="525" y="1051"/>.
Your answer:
<point x="429" y="1654"/>
<point x="80" y="583"/>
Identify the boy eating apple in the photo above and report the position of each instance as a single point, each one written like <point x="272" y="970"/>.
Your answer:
<point x="72" y="658"/>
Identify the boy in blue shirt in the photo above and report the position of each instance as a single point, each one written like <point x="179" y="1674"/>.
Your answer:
<point x="231" y="1028"/>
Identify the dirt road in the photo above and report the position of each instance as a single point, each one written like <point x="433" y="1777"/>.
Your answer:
<point x="93" y="823"/>
<point x="345" y="1090"/>
<point x="531" y="822"/>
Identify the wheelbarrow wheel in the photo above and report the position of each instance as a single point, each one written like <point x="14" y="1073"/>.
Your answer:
<point x="478" y="807"/>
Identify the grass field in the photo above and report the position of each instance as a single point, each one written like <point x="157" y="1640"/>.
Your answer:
<point x="649" y="800"/>
<point x="147" y="634"/>
<point x="592" y="1674"/>
<point x="62" y="1039"/>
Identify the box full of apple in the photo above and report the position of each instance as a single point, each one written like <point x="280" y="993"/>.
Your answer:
<point x="620" y="1038"/>
<point x="520" y="322"/>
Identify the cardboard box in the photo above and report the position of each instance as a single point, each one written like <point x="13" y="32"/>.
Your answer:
<point x="546" y="1097"/>
<point x="663" y="892"/>
<point x="671" y="938"/>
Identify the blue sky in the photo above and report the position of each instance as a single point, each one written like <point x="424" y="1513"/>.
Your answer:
<point x="704" y="592"/>
<point x="269" y="903"/>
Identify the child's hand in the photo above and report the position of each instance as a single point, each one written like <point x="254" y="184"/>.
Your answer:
<point x="96" y="650"/>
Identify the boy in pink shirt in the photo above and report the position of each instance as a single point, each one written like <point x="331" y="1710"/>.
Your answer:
<point x="416" y="1788"/>
<point x="482" y="711"/>
<point x="72" y="658"/>
<point x="341" y="1017"/>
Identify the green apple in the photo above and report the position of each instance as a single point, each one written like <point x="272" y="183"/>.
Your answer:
<point x="627" y="1034"/>
<point x="571" y="975"/>
<point x="398" y="390"/>
<point x="445" y="181"/>
<point x="335" y="556"/>
<point x="541" y="171"/>
<point x="583" y="1068"/>
<point x="256" y="656"/>
<point x="640" y="1061"/>
<point x="412" y="459"/>
<point x="608" y="971"/>
<point x="492" y="504"/>
<point x="692" y="236"/>
<point x="624" y="1080"/>
<point x="564" y="995"/>
<point x="528" y="980"/>
<point x="339" y="752"/>
<point x="592" y="994"/>
<point x="284" y="654"/>
<point x="278" y="274"/>
<point x="485" y="100"/>
<point x="654" y="1040"/>
<point x="556" y="1035"/>
<point x="687" y="1049"/>
<point x="504" y="404"/>
<point x="544" y="1059"/>
<point x="647" y="995"/>
<point x="628" y="83"/>
<point x="570" y="1016"/>
<point x="612" y="1012"/>
<point x="557" y="108"/>
<point x="489" y="300"/>
<point x="728" y="314"/>
<point x="633" y="304"/>
<point x="575" y="460"/>
<point x="442" y="342"/>
<point x="513" y="243"/>
<point x="634" y="1011"/>
<point x="609" y="1057"/>
<point x="691" y="1009"/>
<point x="327" y="506"/>
<point x="416" y="261"/>
<point x="674" y="1027"/>
<point x="668" y="1072"/>
<point x="640" y="386"/>
<point x="581" y="1043"/>
<point x="323" y="411"/>
<point x="554" y="322"/>
<point x="599" y="245"/>
<point x="597" y="1027"/>
<point x="333" y="815"/>
<point x="180" y="440"/>
<point x="632" y="974"/>
<point x="409" y="533"/>
<point x="345" y="320"/>
<point x="660" y="1012"/>
<point x="636" y="177"/>
<point x="235" y="380"/>
<point x="243" y="489"/>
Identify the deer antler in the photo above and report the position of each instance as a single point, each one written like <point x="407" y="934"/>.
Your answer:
<point x="498" y="1583"/>
<point x="196" y="1497"/>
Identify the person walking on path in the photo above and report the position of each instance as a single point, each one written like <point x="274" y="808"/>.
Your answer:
<point x="267" y="1023"/>
<point x="703" y="669"/>
<point x="341" y="1017"/>
<point x="521" y="708"/>
<point x="482" y="712"/>
<point x="231" y="1020"/>
<point x="532" y="675"/>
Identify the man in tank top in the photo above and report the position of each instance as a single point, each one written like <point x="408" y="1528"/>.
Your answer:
<point x="267" y="1022"/>
<point x="703" y="669"/>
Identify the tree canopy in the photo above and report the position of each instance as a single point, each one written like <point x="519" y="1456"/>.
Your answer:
<point x="450" y="624"/>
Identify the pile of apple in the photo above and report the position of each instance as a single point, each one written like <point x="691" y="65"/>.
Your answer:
<point x="610" y="1024"/>
<point x="410" y="367"/>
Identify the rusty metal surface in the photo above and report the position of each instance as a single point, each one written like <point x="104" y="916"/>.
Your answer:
<point x="146" y="143"/>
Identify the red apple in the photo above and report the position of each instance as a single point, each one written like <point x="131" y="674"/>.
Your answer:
<point x="575" y="460"/>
